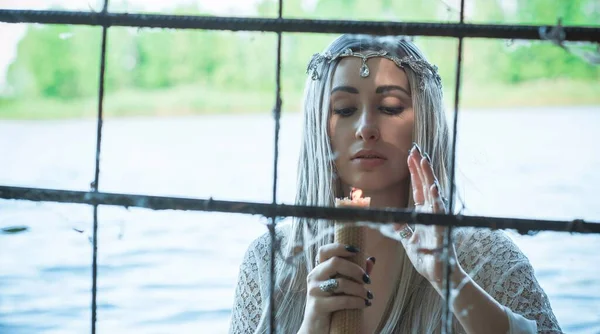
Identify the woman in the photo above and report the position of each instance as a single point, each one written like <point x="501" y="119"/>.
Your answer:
<point x="367" y="100"/>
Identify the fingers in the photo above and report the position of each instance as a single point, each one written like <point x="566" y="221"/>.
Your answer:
<point x="343" y="286"/>
<point x="422" y="163"/>
<point x="343" y="302"/>
<point x="328" y="251"/>
<point x="332" y="262"/>
<point x="438" y="204"/>
<point x="418" y="177"/>
<point x="339" y="266"/>
<point x="428" y="177"/>
<point x="370" y="264"/>
<point x="423" y="177"/>
<point x="337" y="283"/>
<point x="409" y="237"/>
<point x="415" y="179"/>
<point x="438" y="231"/>
<point x="420" y="158"/>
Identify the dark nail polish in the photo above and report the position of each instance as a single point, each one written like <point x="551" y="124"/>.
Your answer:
<point x="352" y="249"/>
<point x="366" y="279"/>
<point x="372" y="258"/>
<point x="426" y="156"/>
<point x="369" y="295"/>
<point x="367" y="302"/>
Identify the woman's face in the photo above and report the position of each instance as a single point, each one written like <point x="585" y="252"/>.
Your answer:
<point x="371" y="123"/>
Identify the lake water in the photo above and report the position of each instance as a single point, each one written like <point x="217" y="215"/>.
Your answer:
<point x="175" y="272"/>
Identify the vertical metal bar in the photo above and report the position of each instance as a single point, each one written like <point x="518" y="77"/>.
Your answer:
<point x="277" y="116"/>
<point x="97" y="169"/>
<point x="447" y="314"/>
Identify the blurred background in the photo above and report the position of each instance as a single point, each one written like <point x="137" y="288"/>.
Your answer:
<point x="188" y="113"/>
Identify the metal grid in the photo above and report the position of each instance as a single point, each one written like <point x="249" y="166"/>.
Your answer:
<point x="556" y="34"/>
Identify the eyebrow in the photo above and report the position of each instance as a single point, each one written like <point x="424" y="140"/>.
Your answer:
<point x="384" y="89"/>
<point x="347" y="89"/>
<point x="379" y="90"/>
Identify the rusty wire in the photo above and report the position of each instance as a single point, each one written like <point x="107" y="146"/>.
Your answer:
<point x="521" y="225"/>
<point x="96" y="183"/>
<point x="271" y="226"/>
<point x="446" y="314"/>
<point x="273" y="211"/>
<point x="499" y="31"/>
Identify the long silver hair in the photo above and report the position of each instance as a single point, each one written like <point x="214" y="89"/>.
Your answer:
<point x="415" y="306"/>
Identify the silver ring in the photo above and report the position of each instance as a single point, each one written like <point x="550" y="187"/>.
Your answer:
<point x="406" y="232"/>
<point x="329" y="285"/>
<point x="317" y="260"/>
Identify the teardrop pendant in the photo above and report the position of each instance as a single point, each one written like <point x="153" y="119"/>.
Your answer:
<point x="364" y="70"/>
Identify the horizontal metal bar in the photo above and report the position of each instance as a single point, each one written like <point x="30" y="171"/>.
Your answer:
<point x="281" y="210"/>
<point x="529" y="32"/>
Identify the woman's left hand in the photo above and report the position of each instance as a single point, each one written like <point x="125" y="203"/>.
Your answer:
<point x="424" y="245"/>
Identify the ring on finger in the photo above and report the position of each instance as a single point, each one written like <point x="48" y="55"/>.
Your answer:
<point x="405" y="232"/>
<point x="329" y="285"/>
<point x="317" y="260"/>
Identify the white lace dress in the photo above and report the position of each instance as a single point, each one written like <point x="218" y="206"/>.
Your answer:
<point x="490" y="257"/>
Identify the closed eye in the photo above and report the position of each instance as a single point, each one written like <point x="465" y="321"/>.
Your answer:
<point x="344" y="112"/>
<point x="392" y="110"/>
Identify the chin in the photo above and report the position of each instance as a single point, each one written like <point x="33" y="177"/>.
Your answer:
<point x="373" y="183"/>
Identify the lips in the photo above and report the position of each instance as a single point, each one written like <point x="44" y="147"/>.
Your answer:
<point x="368" y="160"/>
<point x="368" y="154"/>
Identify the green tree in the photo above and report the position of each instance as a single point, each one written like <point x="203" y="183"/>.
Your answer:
<point x="539" y="60"/>
<point x="56" y="61"/>
<point x="60" y="61"/>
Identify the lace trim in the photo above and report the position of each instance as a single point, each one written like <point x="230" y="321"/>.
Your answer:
<point x="247" y="306"/>
<point x="504" y="272"/>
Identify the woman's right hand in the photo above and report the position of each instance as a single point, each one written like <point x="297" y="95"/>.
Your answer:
<point x="351" y="292"/>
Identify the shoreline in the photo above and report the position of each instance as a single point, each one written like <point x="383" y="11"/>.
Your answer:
<point x="284" y="114"/>
<point x="192" y="100"/>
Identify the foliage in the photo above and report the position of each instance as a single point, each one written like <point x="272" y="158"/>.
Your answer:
<point x="61" y="62"/>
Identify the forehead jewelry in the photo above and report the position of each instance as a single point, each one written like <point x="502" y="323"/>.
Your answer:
<point x="420" y="66"/>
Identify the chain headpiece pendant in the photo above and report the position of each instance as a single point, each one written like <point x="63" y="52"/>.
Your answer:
<point x="420" y="66"/>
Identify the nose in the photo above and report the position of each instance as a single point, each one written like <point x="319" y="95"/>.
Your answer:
<point x="367" y="128"/>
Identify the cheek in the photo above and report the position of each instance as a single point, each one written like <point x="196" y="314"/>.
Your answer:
<point x="334" y="141"/>
<point x="407" y="127"/>
<point x="399" y="134"/>
<point x="406" y="136"/>
<point x="331" y="129"/>
<point x="337" y="134"/>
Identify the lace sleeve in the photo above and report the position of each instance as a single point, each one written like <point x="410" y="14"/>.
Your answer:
<point x="501" y="269"/>
<point x="247" y="303"/>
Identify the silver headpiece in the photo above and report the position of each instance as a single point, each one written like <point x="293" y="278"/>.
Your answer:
<point x="420" y="66"/>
